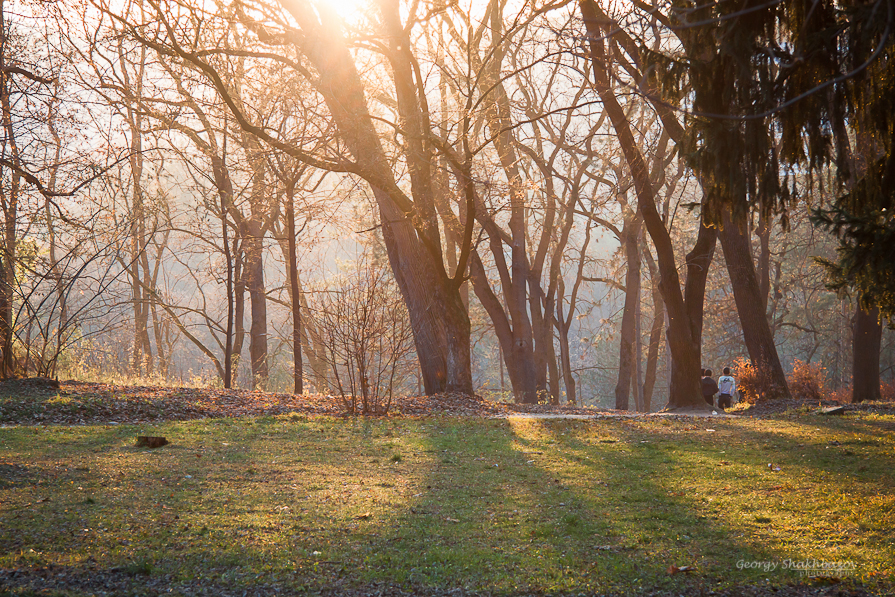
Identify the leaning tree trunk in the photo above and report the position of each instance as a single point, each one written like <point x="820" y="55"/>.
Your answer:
<point x="685" y="391"/>
<point x="750" y="306"/>
<point x="410" y="229"/>
<point x="867" y="343"/>
<point x="516" y="351"/>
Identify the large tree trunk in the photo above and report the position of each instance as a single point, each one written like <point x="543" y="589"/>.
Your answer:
<point x="683" y="344"/>
<point x="750" y="306"/>
<point x="410" y="228"/>
<point x="437" y="313"/>
<point x="867" y="329"/>
<point x="867" y="343"/>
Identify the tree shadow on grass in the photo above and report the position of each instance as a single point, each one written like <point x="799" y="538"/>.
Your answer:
<point x="560" y="514"/>
<point x="494" y="506"/>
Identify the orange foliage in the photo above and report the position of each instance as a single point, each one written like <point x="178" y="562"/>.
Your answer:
<point x="807" y="381"/>
<point x="752" y="382"/>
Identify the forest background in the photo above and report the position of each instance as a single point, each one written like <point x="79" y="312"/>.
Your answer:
<point x="541" y="202"/>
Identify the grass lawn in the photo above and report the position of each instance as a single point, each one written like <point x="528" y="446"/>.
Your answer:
<point x="505" y="506"/>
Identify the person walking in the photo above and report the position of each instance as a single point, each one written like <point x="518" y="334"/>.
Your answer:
<point x="727" y="386"/>
<point x="709" y="387"/>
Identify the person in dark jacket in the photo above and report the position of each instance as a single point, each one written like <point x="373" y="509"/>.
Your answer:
<point x="709" y="387"/>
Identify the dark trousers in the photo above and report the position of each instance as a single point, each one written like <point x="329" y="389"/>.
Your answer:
<point x="724" y="401"/>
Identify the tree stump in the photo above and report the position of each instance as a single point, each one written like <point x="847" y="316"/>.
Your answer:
<point x="150" y="441"/>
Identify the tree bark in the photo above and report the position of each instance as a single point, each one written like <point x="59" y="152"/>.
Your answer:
<point x="564" y="352"/>
<point x="867" y="343"/>
<point x="626" y="357"/>
<point x="683" y="344"/>
<point x="254" y="270"/>
<point x="750" y="307"/>
<point x="764" y="260"/>
<point x="518" y="355"/>
<point x="655" y="337"/>
<point x="292" y="267"/>
<point x="410" y="228"/>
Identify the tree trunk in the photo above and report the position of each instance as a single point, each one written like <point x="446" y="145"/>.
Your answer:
<point x="566" y="358"/>
<point x="542" y="333"/>
<point x="764" y="260"/>
<point x="141" y="351"/>
<point x="517" y="351"/>
<point x="867" y="343"/>
<point x="254" y="270"/>
<point x="626" y="356"/>
<point x="655" y="337"/>
<point x="747" y="295"/>
<point x="867" y="328"/>
<point x="529" y="347"/>
<point x="638" y="361"/>
<point x="437" y="314"/>
<point x="292" y="268"/>
<point x="683" y="344"/>
<point x="410" y="228"/>
<point x="10" y="200"/>
<point x="225" y="193"/>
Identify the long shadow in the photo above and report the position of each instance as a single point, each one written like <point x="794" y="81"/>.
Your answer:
<point x="545" y="507"/>
<point x="585" y="540"/>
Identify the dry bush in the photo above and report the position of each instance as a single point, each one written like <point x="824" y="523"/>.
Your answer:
<point x="364" y="328"/>
<point x="887" y="391"/>
<point x="752" y="382"/>
<point x="844" y="394"/>
<point x="841" y="395"/>
<point x="807" y="381"/>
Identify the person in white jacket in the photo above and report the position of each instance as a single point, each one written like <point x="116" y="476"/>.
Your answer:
<point x="727" y="386"/>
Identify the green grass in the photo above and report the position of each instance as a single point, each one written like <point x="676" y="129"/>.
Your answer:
<point x="506" y="506"/>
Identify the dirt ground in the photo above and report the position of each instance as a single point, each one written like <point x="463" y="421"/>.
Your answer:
<point x="42" y="402"/>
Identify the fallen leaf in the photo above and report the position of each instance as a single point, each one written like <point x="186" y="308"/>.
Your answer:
<point x="675" y="569"/>
<point x="364" y="516"/>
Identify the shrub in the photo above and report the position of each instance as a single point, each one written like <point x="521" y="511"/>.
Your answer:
<point x="364" y="330"/>
<point x="841" y="395"/>
<point x="887" y="391"/>
<point x="807" y="381"/>
<point x="753" y="383"/>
